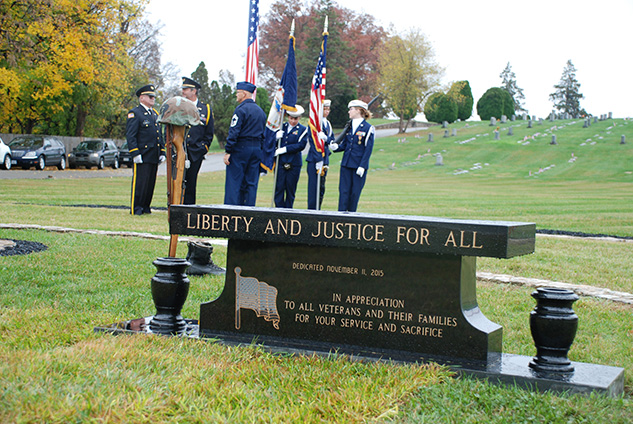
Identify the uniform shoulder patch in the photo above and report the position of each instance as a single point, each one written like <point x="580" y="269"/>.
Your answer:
<point x="130" y="115"/>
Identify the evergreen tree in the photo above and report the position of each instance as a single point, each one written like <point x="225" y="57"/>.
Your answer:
<point x="494" y="103"/>
<point x="462" y="94"/>
<point x="201" y="75"/>
<point x="509" y="84"/>
<point x="567" y="96"/>
<point x="441" y="107"/>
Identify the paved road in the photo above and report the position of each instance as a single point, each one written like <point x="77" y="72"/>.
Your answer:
<point x="213" y="162"/>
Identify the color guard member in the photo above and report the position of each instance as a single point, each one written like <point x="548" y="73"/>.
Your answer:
<point x="357" y="144"/>
<point x="199" y="139"/>
<point x="243" y="149"/>
<point x="292" y="139"/>
<point x="147" y="149"/>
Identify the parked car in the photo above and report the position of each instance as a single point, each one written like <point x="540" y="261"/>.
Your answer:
<point x="5" y="155"/>
<point x="99" y="153"/>
<point x="124" y="156"/>
<point x="39" y="151"/>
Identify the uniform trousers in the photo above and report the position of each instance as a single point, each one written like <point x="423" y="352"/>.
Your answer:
<point x="312" y="186"/>
<point x="191" y="181"/>
<point x="349" y="189"/>
<point x="143" y="182"/>
<point x="242" y="175"/>
<point x="286" y="186"/>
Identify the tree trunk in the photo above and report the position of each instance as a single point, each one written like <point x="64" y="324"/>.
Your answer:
<point x="81" y="120"/>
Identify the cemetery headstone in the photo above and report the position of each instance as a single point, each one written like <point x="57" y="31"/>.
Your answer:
<point x="497" y="135"/>
<point x="529" y="125"/>
<point x="430" y="140"/>
<point x="610" y="115"/>
<point x="511" y="131"/>
<point x="444" y="124"/>
<point x="439" y="160"/>
<point x="445" y="133"/>
<point x="454" y="132"/>
<point x="585" y="124"/>
<point x="493" y="121"/>
<point x="514" y="118"/>
<point x="540" y="121"/>
<point x="623" y="139"/>
<point x="595" y="119"/>
<point x="553" y="139"/>
<point x="503" y="119"/>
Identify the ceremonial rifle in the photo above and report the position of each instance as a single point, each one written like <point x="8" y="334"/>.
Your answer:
<point x="348" y="125"/>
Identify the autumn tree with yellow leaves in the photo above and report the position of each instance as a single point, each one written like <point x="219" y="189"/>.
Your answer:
<point x="408" y="74"/>
<point x="66" y="66"/>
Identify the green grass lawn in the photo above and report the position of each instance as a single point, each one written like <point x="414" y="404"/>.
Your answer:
<point x="54" y="368"/>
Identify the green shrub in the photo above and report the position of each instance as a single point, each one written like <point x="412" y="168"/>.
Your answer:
<point x="440" y="107"/>
<point x="463" y="95"/>
<point x="494" y="103"/>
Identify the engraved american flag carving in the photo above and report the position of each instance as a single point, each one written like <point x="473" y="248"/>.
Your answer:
<point x="252" y="53"/>
<point x="250" y="293"/>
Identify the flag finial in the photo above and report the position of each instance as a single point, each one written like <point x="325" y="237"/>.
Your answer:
<point x="325" y="25"/>
<point x="292" y="28"/>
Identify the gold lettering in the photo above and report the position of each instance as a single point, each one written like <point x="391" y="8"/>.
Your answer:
<point x="295" y="227"/>
<point x="225" y="223"/>
<point x="339" y="231"/>
<point x="215" y="224"/>
<point x="475" y="241"/>
<point x="325" y="234"/>
<point x="318" y="230"/>
<point x="400" y="234"/>
<point x="269" y="227"/>
<point x="282" y="226"/>
<point x="205" y="222"/>
<point x="424" y="239"/>
<point x="379" y="229"/>
<point x="451" y="239"/>
<point x="461" y="240"/>
<point x="189" y="221"/>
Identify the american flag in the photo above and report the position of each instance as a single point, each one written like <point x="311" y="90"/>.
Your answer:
<point x="250" y="293"/>
<point x="317" y="95"/>
<point x="252" y="54"/>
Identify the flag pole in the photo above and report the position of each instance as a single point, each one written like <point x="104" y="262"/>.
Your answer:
<point x="320" y="171"/>
<point x="283" y="113"/>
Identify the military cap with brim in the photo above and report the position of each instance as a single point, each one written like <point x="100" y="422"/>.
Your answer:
<point x="357" y="103"/>
<point x="246" y="86"/>
<point x="297" y="113"/>
<point x="327" y="103"/>
<point x="146" y="89"/>
<point x="189" y="83"/>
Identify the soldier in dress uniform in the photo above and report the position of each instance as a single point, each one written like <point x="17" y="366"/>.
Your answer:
<point x="318" y="163"/>
<point x="357" y="145"/>
<point x="146" y="148"/>
<point x="292" y="139"/>
<point x="243" y="148"/>
<point x="199" y="138"/>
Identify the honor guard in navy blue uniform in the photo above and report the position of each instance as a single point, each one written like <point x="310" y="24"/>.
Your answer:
<point x="147" y="149"/>
<point x="199" y="139"/>
<point x="318" y="162"/>
<point x="357" y="144"/>
<point x="243" y="149"/>
<point x="291" y="140"/>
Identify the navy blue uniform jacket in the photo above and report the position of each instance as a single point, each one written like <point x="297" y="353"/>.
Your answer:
<point x="143" y="134"/>
<point x="247" y="124"/>
<point x="200" y="136"/>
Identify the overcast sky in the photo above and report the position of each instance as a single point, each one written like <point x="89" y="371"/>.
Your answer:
<point x="472" y="39"/>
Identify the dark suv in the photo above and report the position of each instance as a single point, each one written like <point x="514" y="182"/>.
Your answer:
<point x="99" y="153"/>
<point x="39" y="151"/>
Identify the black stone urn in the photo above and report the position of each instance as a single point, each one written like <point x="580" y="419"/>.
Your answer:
<point x="553" y="323"/>
<point x="170" y="287"/>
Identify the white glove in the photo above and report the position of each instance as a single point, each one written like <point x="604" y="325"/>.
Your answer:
<point x="187" y="164"/>
<point x="162" y="158"/>
<point x="360" y="171"/>
<point x="333" y="146"/>
<point x="138" y="159"/>
<point x="280" y="151"/>
<point x="322" y="136"/>
<point x="319" y="166"/>
<point x="279" y="135"/>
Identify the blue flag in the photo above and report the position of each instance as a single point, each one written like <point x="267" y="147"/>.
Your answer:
<point x="285" y="98"/>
